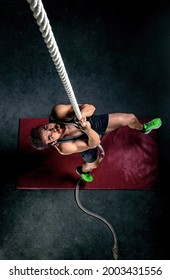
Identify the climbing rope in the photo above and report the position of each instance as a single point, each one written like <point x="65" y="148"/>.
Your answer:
<point x="115" y="247"/>
<point x="77" y="195"/>
<point x="44" y="26"/>
<point x="42" y="20"/>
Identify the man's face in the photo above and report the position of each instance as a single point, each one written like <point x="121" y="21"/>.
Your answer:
<point x="50" y="133"/>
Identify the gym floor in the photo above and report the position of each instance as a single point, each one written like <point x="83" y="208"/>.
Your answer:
<point x="117" y="58"/>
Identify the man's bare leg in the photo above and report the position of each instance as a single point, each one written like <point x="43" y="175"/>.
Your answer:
<point x="117" y="120"/>
<point x="90" y="166"/>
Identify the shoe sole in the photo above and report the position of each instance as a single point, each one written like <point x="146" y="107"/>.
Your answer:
<point x="83" y="178"/>
<point x="153" y="129"/>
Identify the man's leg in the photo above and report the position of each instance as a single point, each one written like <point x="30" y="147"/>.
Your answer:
<point x="91" y="161"/>
<point x="85" y="170"/>
<point x="117" y="120"/>
<point x="90" y="166"/>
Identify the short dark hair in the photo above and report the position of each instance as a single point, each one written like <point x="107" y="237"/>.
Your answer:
<point x="35" y="138"/>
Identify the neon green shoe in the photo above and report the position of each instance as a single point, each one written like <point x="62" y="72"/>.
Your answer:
<point x="154" y="124"/>
<point x="85" y="176"/>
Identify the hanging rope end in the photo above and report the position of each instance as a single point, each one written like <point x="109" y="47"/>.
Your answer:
<point x="115" y="252"/>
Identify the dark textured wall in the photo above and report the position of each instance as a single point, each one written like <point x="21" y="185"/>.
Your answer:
<point x="117" y="58"/>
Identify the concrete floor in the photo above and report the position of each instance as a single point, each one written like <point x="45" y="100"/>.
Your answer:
<point x="118" y="59"/>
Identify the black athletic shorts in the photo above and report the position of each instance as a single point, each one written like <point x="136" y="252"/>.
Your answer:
<point x="98" y="123"/>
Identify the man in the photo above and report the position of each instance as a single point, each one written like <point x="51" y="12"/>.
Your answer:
<point x="69" y="135"/>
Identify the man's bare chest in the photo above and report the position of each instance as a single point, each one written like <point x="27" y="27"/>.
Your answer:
<point x="71" y="131"/>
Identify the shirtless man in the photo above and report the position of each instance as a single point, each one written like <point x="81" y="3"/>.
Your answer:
<point x="69" y="135"/>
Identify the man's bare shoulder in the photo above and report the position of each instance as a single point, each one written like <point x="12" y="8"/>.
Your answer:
<point x="75" y="146"/>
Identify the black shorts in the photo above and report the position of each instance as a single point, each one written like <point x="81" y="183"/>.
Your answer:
<point x="99" y="123"/>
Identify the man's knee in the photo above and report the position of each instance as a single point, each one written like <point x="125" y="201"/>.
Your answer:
<point x="95" y="164"/>
<point x="131" y="118"/>
<point x="89" y="166"/>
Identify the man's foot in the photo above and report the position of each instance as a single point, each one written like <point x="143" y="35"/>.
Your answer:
<point x="86" y="176"/>
<point x="149" y="126"/>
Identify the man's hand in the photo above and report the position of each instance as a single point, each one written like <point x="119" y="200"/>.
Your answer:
<point x="86" y="127"/>
<point x="81" y="122"/>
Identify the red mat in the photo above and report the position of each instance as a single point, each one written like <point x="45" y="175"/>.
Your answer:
<point x="131" y="162"/>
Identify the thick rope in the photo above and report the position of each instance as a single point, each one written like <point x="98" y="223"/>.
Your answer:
<point x="115" y="246"/>
<point x="115" y="249"/>
<point x="42" y="20"/>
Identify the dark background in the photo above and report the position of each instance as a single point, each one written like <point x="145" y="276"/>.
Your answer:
<point x="117" y="57"/>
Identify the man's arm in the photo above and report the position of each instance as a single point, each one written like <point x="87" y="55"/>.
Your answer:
<point x="93" y="136"/>
<point x="87" y="110"/>
<point x="62" y="111"/>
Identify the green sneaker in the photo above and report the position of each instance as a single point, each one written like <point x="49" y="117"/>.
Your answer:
<point x="85" y="176"/>
<point x="154" y="124"/>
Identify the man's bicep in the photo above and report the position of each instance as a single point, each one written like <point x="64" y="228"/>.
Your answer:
<point x="61" y="111"/>
<point x="77" y="146"/>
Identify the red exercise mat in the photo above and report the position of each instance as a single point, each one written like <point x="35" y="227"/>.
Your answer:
<point x="131" y="162"/>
